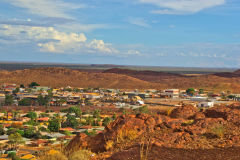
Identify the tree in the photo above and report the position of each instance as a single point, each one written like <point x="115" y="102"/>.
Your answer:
<point x="25" y="102"/>
<point x="16" y="114"/>
<point x="76" y="110"/>
<point x="11" y="131"/>
<point x="61" y="101"/>
<point x="29" y="132"/>
<point x="16" y="90"/>
<point x="21" y="132"/>
<point x="106" y="121"/>
<point x="15" y="138"/>
<point x="71" y="122"/>
<point x="114" y="116"/>
<point x="190" y="91"/>
<point x="76" y="90"/>
<point x="73" y="109"/>
<point x="22" y="86"/>
<point x="231" y="96"/>
<point x="96" y="113"/>
<point x="89" y="121"/>
<point x="143" y="109"/>
<point x="44" y="114"/>
<point x="8" y="100"/>
<point x="54" y="125"/>
<point x="201" y="91"/>
<point x="2" y="132"/>
<point x="43" y="101"/>
<point x="32" y="115"/>
<point x="33" y="84"/>
<point x="13" y="156"/>
<point x="78" y="114"/>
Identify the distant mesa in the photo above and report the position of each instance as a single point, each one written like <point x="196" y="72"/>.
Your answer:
<point x="121" y="79"/>
<point x="229" y="74"/>
<point x="146" y="75"/>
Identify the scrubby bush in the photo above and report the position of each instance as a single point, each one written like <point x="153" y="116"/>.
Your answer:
<point x="218" y="130"/>
<point x="58" y="156"/>
<point x="109" y="145"/>
<point x="126" y="135"/>
<point x="81" y="155"/>
<point x="169" y="111"/>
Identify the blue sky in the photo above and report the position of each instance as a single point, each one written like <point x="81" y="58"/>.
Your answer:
<point x="186" y="33"/>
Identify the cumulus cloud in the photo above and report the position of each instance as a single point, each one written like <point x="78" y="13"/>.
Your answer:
<point x="182" y="6"/>
<point x="48" y="39"/>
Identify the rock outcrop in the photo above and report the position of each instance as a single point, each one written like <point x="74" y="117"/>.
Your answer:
<point x="185" y="112"/>
<point x="137" y="124"/>
<point x="185" y="128"/>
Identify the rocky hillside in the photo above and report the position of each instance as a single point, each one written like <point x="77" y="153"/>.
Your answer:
<point x="229" y="74"/>
<point x="185" y="128"/>
<point x="150" y="76"/>
<point x="118" y="78"/>
<point x="59" y="77"/>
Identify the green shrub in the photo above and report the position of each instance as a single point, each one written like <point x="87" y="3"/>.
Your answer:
<point x="218" y="130"/>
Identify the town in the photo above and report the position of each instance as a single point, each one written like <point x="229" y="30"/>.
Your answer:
<point x="37" y="118"/>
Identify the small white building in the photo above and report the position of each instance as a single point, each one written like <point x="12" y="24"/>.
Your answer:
<point x="171" y="93"/>
<point x="140" y="102"/>
<point x="205" y="104"/>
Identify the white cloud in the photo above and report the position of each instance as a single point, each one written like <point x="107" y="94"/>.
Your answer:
<point x="138" y="21"/>
<point x="55" y="13"/>
<point x="182" y="6"/>
<point x="46" y="8"/>
<point x="48" y="39"/>
<point x="100" y="46"/>
<point x="133" y="52"/>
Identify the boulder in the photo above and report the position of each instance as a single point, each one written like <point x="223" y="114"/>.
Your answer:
<point x="230" y="114"/>
<point x="185" y="112"/>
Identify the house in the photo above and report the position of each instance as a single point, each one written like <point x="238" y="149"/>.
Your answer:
<point x="1" y="114"/>
<point x="140" y="102"/>
<point x="40" y="88"/>
<point x="205" y="104"/>
<point x="170" y="93"/>
<point x="55" y="135"/>
<point x="9" y="87"/>
<point x="67" y="129"/>
<point x="39" y="142"/>
<point x="43" y="119"/>
<point x="79" y="131"/>
<point x="4" y="137"/>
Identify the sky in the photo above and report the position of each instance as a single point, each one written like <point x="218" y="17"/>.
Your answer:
<point x="179" y="33"/>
